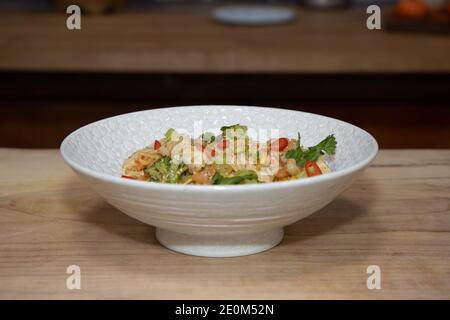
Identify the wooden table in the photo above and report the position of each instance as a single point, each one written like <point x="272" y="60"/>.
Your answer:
<point x="179" y="41"/>
<point x="396" y="216"/>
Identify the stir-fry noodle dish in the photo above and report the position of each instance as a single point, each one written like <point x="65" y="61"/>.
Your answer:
<point x="229" y="158"/>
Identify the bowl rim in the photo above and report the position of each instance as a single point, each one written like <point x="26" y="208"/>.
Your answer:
<point x="215" y="188"/>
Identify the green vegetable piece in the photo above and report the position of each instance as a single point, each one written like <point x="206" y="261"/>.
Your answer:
<point x="208" y="137"/>
<point x="163" y="170"/>
<point x="243" y="176"/>
<point x="327" y="146"/>
<point x="234" y="127"/>
<point x="168" y="135"/>
<point x="233" y="132"/>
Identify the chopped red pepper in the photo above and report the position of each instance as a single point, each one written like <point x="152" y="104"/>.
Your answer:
<point x="199" y="146"/>
<point x="128" y="177"/>
<point x="279" y="144"/>
<point x="213" y="152"/>
<point x="312" y="169"/>
<point x="223" y="144"/>
<point x="157" y="145"/>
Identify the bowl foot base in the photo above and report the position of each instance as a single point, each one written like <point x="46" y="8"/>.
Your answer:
<point x="232" y="245"/>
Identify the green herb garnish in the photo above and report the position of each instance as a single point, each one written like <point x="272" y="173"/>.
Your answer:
<point x="326" y="146"/>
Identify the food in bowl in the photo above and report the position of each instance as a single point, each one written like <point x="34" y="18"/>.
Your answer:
<point x="215" y="220"/>
<point x="230" y="158"/>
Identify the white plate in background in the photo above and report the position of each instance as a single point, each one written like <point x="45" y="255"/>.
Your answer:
<point x="254" y="14"/>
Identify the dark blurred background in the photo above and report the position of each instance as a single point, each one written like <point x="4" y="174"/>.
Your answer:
<point x="140" y="54"/>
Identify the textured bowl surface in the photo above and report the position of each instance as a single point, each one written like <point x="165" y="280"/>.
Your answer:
<point x="215" y="221"/>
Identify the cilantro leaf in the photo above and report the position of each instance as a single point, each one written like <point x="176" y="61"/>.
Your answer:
<point x="326" y="146"/>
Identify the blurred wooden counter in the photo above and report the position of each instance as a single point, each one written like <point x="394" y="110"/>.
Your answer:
<point x="396" y="216"/>
<point x="161" y="41"/>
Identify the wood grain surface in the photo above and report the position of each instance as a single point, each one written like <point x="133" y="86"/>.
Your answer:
<point x="396" y="216"/>
<point x="176" y="41"/>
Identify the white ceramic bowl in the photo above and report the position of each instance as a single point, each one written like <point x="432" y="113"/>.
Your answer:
<point x="215" y="221"/>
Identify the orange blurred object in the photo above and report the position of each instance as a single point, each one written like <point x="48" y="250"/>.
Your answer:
<point x="411" y="9"/>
